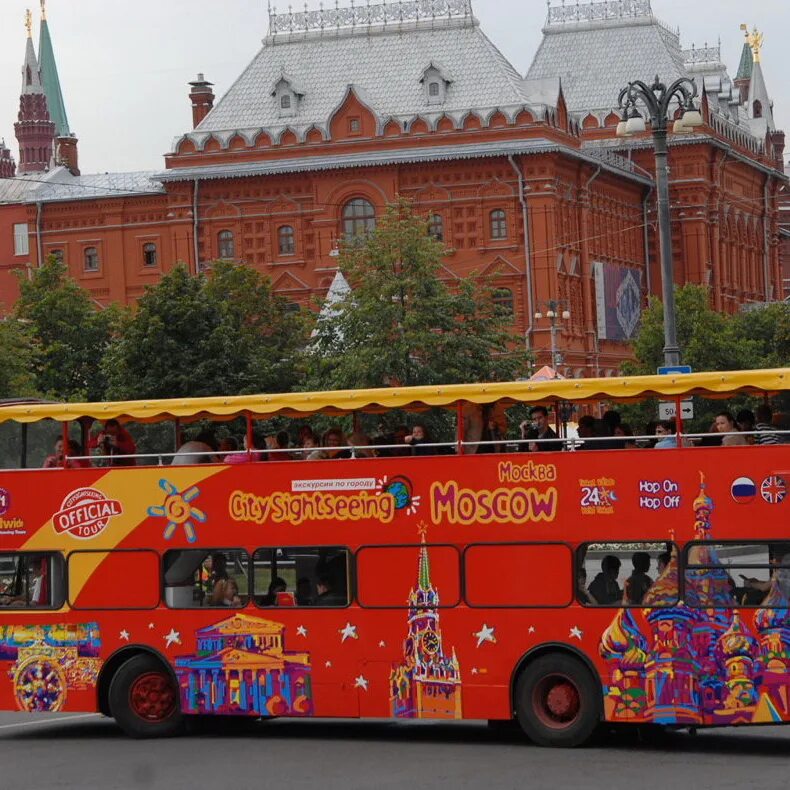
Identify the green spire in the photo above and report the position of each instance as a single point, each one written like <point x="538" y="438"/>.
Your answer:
<point x="425" y="567"/>
<point x="51" y="82"/>
<point x="746" y="64"/>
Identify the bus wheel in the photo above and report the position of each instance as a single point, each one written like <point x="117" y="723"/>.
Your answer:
<point x="144" y="699"/>
<point x="558" y="701"/>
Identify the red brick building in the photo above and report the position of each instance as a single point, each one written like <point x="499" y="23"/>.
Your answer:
<point x="342" y="110"/>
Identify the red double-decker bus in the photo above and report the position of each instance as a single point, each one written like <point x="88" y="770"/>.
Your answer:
<point x="561" y="588"/>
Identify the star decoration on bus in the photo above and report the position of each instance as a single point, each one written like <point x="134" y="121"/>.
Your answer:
<point x="349" y="632"/>
<point x="173" y="638"/>
<point x="382" y="643"/>
<point x="178" y="511"/>
<point x="485" y="634"/>
<point x="531" y="629"/>
<point x="361" y="683"/>
<point x="124" y="635"/>
<point x="576" y="633"/>
<point x="328" y="665"/>
<point x="301" y="630"/>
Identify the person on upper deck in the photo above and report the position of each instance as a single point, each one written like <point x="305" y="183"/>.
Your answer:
<point x="199" y="450"/>
<point x="764" y="425"/>
<point x="539" y="432"/>
<point x="419" y="436"/>
<point x="112" y="442"/>
<point x="55" y="461"/>
<point x="725" y="423"/>
<point x="638" y="583"/>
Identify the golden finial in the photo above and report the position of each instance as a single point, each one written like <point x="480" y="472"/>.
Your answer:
<point x="44" y="10"/>
<point x="754" y="40"/>
<point x="29" y="23"/>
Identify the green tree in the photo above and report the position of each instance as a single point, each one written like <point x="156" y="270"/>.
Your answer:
<point x="224" y="333"/>
<point x="401" y="325"/>
<point x="17" y="360"/>
<point x="69" y="332"/>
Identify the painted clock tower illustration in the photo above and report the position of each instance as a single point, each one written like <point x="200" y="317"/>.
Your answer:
<point x="427" y="684"/>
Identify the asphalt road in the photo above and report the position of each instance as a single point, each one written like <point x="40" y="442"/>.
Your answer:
<point x="90" y="753"/>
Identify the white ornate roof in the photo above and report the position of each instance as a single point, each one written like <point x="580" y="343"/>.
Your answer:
<point x="382" y="50"/>
<point x="60" y="184"/>
<point x="596" y="48"/>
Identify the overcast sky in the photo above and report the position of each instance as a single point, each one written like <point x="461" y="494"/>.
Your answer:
<point x="124" y="65"/>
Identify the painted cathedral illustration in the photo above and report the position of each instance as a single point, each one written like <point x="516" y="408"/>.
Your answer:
<point x="427" y="684"/>
<point x="241" y="666"/>
<point x="699" y="661"/>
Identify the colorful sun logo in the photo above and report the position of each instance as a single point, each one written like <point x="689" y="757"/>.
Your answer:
<point x="402" y="491"/>
<point x="178" y="511"/>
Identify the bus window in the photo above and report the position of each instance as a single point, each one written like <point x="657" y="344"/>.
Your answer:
<point x="736" y="574"/>
<point x="302" y="576"/>
<point x="114" y="579"/>
<point x="627" y="574"/>
<point x="518" y="575"/>
<point x="32" y="581"/>
<point x="386" y="575"/>
<point x="197" y="578"/>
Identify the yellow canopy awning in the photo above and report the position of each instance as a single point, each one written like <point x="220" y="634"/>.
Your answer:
<point x="300" y="404"/>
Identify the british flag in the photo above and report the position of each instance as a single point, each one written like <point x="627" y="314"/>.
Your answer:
<point x="773" y="490"/>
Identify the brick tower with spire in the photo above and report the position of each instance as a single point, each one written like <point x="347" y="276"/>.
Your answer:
<point x="34" y="128"/>
<point x="7" y="164"/>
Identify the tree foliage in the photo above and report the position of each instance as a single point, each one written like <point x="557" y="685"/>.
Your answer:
<point x="223" y="333"/>
<point x="17" y="360"/>
<point x="70" y="334"/>
<point x="401" y="324"/>
<point x="755" y="338"/>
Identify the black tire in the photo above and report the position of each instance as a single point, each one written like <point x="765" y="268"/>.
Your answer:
<point x="144" y="699"/>
<point x="558" y="701"/>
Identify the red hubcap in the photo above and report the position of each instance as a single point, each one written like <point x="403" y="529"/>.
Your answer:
<point x="152" y="697"/>
<point x="556" y="701"/>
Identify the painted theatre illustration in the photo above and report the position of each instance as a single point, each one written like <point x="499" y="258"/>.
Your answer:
<point x="242" y="667"/>
<point x="700" y="661"/>
<point x="427" y="684"/>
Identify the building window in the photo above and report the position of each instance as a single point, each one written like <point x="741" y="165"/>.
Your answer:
<point x="503" y="300"/>
<point x="498" y="224"/>
<point x="287" y="242"/>
<point x="292" y="308"/>
<point x="433" y="89"/>
<point x="91" y="259"/>
<point x="354" y="126"/>
<point x="226" y="247"/>
<point x="285" y="102"/>
<point x="57" y="255"/>
<point x="149" y="255"/>
<point x="359" y="218"/>
<point x="436" y="227"/>
<point x="21" y="242"/>
<point x="757" y="108"/>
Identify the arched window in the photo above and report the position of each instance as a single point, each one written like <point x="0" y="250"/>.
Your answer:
<point x="226" y="247"/>
<point x="91" y="259"/>
<point x="433" y="89"/>
<point x="287" y="242"/>
<point x="285" y="101"/>
<point x="436" y="227"/>
<point x="149" y="255"/>
<point x="757" y="109"/>
<point x="359" y="218"/>
<point x="503" y="300"/>
<point x="498" y="224"/>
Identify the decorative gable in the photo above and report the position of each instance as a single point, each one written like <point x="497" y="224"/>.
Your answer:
<point x="286" y="96"/>
<point x="436" y="83"/>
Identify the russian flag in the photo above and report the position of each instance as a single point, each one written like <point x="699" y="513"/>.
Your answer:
<point x="743" y="490"/>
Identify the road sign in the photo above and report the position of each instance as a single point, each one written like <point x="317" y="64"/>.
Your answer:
<point x="667" y="410"/>
<point x="674" y="370"/>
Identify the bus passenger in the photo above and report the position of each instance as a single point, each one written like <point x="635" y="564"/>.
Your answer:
<point x="626" y="433"/>
<point x="213" y="569"/>
<point x="276" y="585"/>
<point x="764" y="425"/>
<point x="638" y="583"/>
<point x="226" y="593"/>
<point x="419" y="436"/>
<point x="539" y="430"/>
<point x="55" y="461"/>
<point x="304" y="592"/>
<point x="114" y="440"/>
<point x="327" y="595"/>
<point x="582" y="593"/>
<point x="667" y="436"/>
<point x="586" y="430"/>
<point x="604" y="587"/>
<point x="199" y="450"/>
<point x="333" y="446"/>
<point x="245" y="457"/>
<point x="725" y="423"/>
<point x="745" y="420"/>
<point x="663" y="561"/>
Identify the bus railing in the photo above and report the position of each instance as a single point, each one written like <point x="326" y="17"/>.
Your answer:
<point x="567" y="444"/>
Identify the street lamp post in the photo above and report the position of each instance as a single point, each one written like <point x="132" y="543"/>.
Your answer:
<point x="555" y="309"/>
<point x="658" y="99"/>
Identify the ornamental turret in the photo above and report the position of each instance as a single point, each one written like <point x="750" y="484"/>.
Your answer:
<point x="7" y="164"/>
